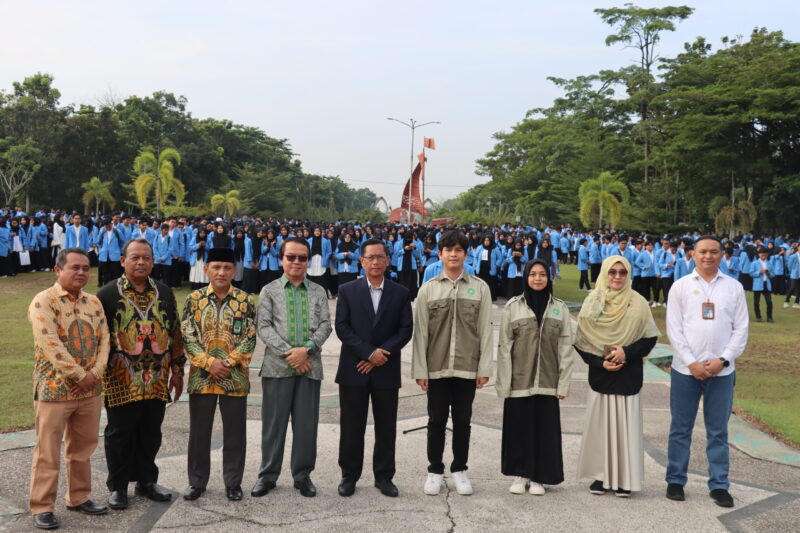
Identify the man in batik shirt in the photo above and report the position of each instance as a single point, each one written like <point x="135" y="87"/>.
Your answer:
<point x="70" y="339"/>
<point x="146" y="346"/>
<point x="218" y="325"/>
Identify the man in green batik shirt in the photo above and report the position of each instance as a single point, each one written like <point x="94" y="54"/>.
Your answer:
<point x="219" y="335"/>
<point x="294" y="322"/>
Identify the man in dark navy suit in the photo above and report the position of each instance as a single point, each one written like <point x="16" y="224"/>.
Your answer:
<point x="374" y="322"/>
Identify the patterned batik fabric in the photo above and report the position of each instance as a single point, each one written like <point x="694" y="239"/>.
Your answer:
<point x="216" y="328"/>
<point x="70" y="338"/>
<point x="296" y="315"/>
<point x="146" y="341"/>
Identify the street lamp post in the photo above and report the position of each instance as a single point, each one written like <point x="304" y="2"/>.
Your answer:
<point x="412" y="125"/>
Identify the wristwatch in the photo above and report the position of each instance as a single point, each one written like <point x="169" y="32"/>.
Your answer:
<point x="725" y="362"/>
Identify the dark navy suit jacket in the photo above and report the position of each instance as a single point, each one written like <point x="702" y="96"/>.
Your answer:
<point x="361" y="331"/>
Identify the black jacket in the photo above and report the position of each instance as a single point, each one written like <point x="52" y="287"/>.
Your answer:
<point x="628" y="380"/>
<point x="362" y="331"/>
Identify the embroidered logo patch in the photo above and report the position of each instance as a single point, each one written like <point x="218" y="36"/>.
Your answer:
<point x="695" y="292"/>
<point x="471" y="292"/>
<point x="556" y="311"/>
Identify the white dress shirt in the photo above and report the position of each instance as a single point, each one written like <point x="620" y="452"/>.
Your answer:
<point x="375" y="293"/>
<point x="694" y="338"/>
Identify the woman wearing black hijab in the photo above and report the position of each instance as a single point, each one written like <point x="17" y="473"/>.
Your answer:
<point x="347" y="256"/>
<point x="534" y="366"/>
<point x="320" y="253"/>
<point x="221" y="238"/>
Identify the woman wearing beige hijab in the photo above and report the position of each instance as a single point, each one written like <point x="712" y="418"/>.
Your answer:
<point x="615" y="331"/>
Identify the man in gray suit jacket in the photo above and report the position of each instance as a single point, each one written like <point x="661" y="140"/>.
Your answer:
<point x="293" y="320"/>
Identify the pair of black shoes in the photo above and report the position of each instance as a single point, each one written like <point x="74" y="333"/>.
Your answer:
<point x="118" y="499"/>
<point x="263" y="486"/>
<point x="348" y="487"/>
<point x="721" y="497"/>
<point x="234" y="494"/>
<point x="49" y="521"/>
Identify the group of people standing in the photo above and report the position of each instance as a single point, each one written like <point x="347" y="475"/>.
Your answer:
<point x="130" y="343"/>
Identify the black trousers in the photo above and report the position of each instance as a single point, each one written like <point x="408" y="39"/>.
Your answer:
<point x="757" y="302"/>
<point x="234" y="437"/>
<point x="648" y="284"/>
<point x="354" y="404"/>
<point x="107" y="271"/>
<point x="666" y="285"/>
<point x="595" y="269"/>
<point x="531" y="445"/>
<point x="584" y="280"/>
<point x="794" y="288"/>
<point x="132" y="440"/>
<point x="446" y="395"/>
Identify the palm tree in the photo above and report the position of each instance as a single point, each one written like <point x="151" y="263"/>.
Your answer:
<point x="159" y="174"/>
<point x="734" y="215"/>
<point x="98" y="192"/>
<point x="601" y="200"/>
<point x="227" y="204"/>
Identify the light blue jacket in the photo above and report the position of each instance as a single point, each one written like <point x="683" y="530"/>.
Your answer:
<point x="399" y="253"/>
<point x="162" y="251"/>
<point x="70" y="240"/>
<point x="682" y="268"/>
<point x="583" y="258"/>
<point x="109" y="249"/>
<point x="647" y="264"/>
<point x="730" y="267"/>
<point x="759" y="283"/>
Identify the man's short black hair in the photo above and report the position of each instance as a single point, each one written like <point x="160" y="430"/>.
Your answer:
<point x="137" y="240"/>
<point x="372" y="242"/>
<point x="454" y="238"/>
<point x="708" y="238"/>
<point x="298" y="240"/>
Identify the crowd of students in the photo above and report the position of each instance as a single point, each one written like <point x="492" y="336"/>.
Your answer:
<point x="765" y="265"/>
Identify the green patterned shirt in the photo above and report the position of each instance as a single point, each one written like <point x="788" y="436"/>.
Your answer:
<point x="297" y="316"/>
<point x="222" y="329"/>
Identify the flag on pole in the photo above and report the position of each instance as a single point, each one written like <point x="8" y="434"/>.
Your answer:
<point x="421" y="157"/>
<point x="430" y="143"/>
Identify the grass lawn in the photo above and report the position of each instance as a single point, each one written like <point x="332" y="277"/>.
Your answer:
<point x="766" y="386"/>
<point x="767" y="374"/>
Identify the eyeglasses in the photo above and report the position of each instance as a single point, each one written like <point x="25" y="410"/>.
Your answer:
<point x="370" y="258"/>
<point x="614" y="273"/>
<point x="299" y="258"/>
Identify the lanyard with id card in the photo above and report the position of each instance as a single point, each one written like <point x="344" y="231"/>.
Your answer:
<point x="237" y="326"/>
<point x="708" y="310"/>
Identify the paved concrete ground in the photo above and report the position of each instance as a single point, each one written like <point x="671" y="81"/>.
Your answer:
<point x="767" y="494"/>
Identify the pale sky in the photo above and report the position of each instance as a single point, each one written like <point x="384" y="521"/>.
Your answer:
<point x="326" y="74"/>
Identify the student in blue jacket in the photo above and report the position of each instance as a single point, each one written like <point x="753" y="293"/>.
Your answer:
<point x="198" y="253"/>
<point x="5" y="249"/>
<point x="270" y="267"/>
<point x="762" y="284"/>
<point x="583" y="266"/>
<point x="666" y="267"/>
<point x="646" y="261"/>
<point x="515" y="260"/>
<point x="162" y="254"/>
<point x="793" y="275"/>
<point x="110" y="245"/>
<point x="684" y="265"/>
<point x="252" y="261"/>
<point x="320" y="254"/>
<point x="777" y="265"/>
<point x="347" y="258"/>
<point x="407" y="257"/>
<point x="487" y="260"/>
<point x="595" y="258"/>
<point x="730" y="264"/>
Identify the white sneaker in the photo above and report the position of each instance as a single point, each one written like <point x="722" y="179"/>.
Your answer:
<point x="519" y="485"/>
<point x="653" y="304"/>
<point x="795" y="306"/>
<point x="785" y="304"/>
<point x="463" y="486"/>
<point x="537" y="489"/>
<point x="433" y="484"/>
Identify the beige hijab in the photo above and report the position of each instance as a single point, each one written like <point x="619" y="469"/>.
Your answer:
<point x="610" y="317"/>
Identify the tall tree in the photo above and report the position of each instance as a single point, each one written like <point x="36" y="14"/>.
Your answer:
<point x="226" y="204"/>
<point x="641" y="29"/>
<point x="98" y="192"/>
<point x="602" y="199"/>
<point x="157" y="174"/>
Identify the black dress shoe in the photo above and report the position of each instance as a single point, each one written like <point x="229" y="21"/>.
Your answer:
<point x="675" y="492"/>
<point x="347" y="487"/>
<point x="721" y="497"/>
<point x="153" y="492"/>
<point x="234" y="494"/>
<point x="89" y="507"/>
<point x="387" y="488"/>
<point x="306" y="487"/>
<point x="45" y="521"/>
<point x="262" y="487"/>
<point x="192" y="493"/>
<point x="118" y="499"/>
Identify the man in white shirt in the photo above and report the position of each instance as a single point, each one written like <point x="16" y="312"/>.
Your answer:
<point x="707" y="323"/>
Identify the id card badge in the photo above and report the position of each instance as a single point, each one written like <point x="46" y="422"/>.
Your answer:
<point x="708" y="310"/>
<point x="237" y="326"/>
